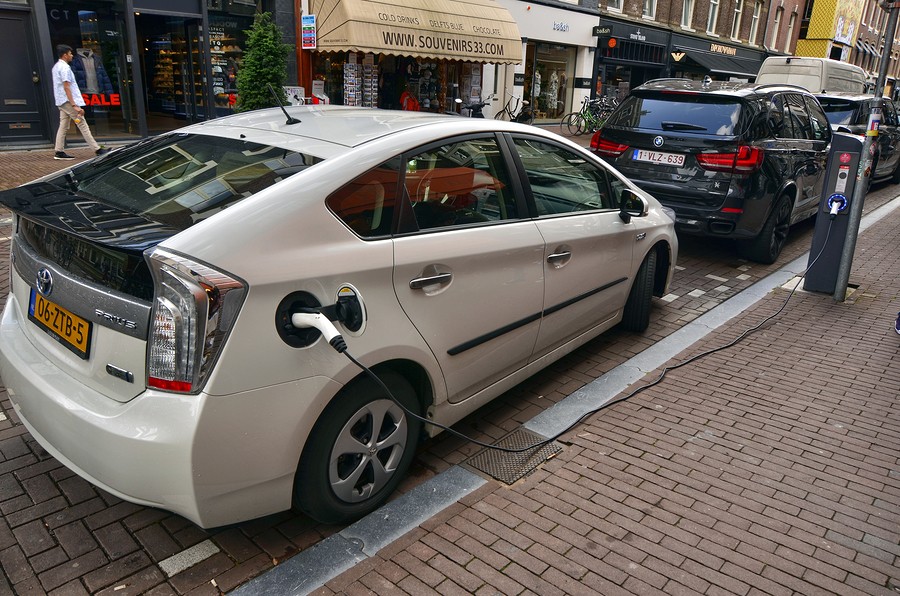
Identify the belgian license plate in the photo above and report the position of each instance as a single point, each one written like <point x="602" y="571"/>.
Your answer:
<point x="668" y="159"/>
<point x="65" y="327"/>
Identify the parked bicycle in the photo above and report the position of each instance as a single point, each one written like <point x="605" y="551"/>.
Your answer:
<point x="520" y="112"/>
<point x="591" y="117"/>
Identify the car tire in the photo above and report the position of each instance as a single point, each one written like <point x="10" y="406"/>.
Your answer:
<point x="636" y="314"/>
<point x="766" y="247"/>
<point x="347" y="471"/>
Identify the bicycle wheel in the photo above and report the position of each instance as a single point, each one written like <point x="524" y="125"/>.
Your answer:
<point x="503" y="114"/>
<point x="573" y="121"/>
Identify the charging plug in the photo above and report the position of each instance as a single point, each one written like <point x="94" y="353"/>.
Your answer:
<point x="836" y="204"/>
<point x="835" y="207"/>
<point x="310" y="318"/>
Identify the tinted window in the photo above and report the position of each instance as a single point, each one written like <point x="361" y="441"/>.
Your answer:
<point x="366" y="204"/>
<point x="889" y="116"/>
<point x="180" y="179"/>
<point x="796" y="110"/>
<point x="459" y="183"/>
<point x="688" y="114"/>
<point x="821" y="129"/>
<point x="843" y="111"/>
<point x="563" y="181"/>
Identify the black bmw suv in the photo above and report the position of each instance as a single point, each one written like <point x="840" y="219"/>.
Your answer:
<point x="733" y="160"/>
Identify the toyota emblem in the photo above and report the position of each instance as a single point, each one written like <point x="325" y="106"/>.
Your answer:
<point x="658" y="141"/>
<point x="44" y="281"/>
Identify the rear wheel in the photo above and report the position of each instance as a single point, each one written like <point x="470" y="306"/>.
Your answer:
<point x="766" y="247"/>
<point x="636" y="316"/>
<point x="358" y="451"/>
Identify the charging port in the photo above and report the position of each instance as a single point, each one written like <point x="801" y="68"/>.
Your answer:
<point x="349" y="309"/>
<point x="295" y="337"/>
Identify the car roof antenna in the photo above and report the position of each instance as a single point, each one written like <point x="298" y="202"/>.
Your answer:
<point x="290" y="119"/>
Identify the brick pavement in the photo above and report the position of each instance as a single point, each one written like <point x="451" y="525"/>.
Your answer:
<point x="613" y="493"/>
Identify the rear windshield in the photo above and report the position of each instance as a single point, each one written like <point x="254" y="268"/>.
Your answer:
<point x="842" y="111"/>
<point x="688" y="114"/>
<point x="180" y="179"/>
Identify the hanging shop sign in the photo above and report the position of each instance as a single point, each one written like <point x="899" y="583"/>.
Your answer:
<point x="308" y="32"/>
<point x="448" y="29"/>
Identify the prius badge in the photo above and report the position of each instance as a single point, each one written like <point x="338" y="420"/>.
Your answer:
<point x="44" y="282"/>
<point x="658" y="141"/>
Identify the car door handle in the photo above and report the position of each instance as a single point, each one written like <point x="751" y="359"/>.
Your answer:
<point x="430" y="280"/>
<point x="559" y="256"/>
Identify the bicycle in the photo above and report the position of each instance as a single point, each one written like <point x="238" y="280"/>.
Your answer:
<point x="522" y="111"/>
<point x="590" y="117"/>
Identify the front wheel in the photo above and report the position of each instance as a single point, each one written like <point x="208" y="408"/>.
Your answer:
<point x="766" y="247"/>
<point x="636" y="315"/>
<point x="358" y="451"/>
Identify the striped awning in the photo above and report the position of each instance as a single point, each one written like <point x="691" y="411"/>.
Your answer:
<point x="467" y="30"/>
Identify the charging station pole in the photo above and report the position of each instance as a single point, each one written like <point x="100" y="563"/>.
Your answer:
<point x="865" y="164"/>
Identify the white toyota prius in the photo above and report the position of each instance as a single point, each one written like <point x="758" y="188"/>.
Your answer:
<point x="163" y="336"/>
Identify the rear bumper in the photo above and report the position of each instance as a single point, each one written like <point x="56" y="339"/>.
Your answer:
<point x="214" y="460"/>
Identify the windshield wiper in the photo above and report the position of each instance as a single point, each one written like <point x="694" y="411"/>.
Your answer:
<point x="668" y="125"/>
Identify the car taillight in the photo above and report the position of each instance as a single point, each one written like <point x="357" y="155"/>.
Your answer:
<point x="605" y="147"/>
<point x="194" y="308"/>
<point x="745" y="160"/>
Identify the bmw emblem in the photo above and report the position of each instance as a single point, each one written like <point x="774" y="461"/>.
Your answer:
<point x="658" y="141"/>
<point x="44" y="282"/>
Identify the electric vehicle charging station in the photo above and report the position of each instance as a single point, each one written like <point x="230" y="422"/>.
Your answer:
<point x="834" y="210"/>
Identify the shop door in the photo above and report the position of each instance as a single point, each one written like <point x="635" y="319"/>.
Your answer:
<point x="20" y="93"/>
<point x="171" y="63"/>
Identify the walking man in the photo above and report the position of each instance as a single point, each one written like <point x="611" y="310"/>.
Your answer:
<point x="68" y="99"/>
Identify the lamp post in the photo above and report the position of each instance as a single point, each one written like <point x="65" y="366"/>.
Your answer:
<point x="868" y="151"/>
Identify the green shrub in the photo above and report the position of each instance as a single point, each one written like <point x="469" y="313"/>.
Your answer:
<point x="264" y="63"/>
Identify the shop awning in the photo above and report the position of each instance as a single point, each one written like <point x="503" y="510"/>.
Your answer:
<point x="467" y="30"/>
<point x="729" y="65"/>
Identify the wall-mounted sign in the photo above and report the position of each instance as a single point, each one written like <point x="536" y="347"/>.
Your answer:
<point x="678" y="56"/>
<point x="597" y="31"/>
<point x="519" y="79"/>
<point x="582" y="83"/>
<point x="308" y="32"/>
<point x="720" y="49"/>
<point x="560" y="26"/>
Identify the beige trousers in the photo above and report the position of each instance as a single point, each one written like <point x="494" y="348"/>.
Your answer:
<point x="67" y="114"/>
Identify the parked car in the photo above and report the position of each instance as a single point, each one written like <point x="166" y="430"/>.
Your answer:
<point x="817" y="75"/>
<point x="148" y="341"/>
<point x="733" y="160"/>
<point x="849" y="112"/>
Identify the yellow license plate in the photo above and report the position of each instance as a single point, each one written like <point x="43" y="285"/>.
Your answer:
<point x="67" y="328"/>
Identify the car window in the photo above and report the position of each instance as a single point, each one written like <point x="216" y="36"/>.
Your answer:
<point x="563" y="181"/>
<point x="180" y="179"/>
<point x="821" y="129"/>
<point x="796" y="110"/>
<point x="681" y="113"/>
<point x="841" y="111"/>
<point x="459" y="183"/>
<point x="366" y="204"/>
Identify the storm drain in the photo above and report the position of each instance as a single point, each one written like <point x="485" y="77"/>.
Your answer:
<point x="509" y="467"/>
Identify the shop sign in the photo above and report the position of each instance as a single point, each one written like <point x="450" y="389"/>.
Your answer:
<point x="102" y="99"/>
<point x="560" y="26"/>
<point x="598" y="31"/>
<point x="308" y="32"/>
<point x="721" y="49"/>
<point x="637" y="36"/>
<point x="582" y="83"/>
<point x="519" y="79"/>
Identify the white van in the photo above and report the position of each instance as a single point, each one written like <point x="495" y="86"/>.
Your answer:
<point x="818" y="75"/>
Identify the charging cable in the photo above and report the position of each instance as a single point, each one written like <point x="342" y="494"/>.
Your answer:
<point x="313" y="318"/>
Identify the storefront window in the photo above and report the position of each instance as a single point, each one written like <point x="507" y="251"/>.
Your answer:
<point x="394" y="82"/>
<point x="96" y="31"/>
<point x="551" y="85"/>
<point x="227" y="42"/>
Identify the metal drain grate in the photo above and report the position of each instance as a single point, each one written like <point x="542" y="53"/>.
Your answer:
<point x="509" y="467"/>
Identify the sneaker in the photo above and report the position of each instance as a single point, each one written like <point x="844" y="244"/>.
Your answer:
<point x="62" y="155"/>
<point x="897" y="324"/>
<point x="102" y="151"/>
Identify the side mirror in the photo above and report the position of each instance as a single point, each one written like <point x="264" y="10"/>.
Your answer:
<point x="631" y="205"/>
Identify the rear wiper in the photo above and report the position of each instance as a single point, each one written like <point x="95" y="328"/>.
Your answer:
<point x="668" y="125"/>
